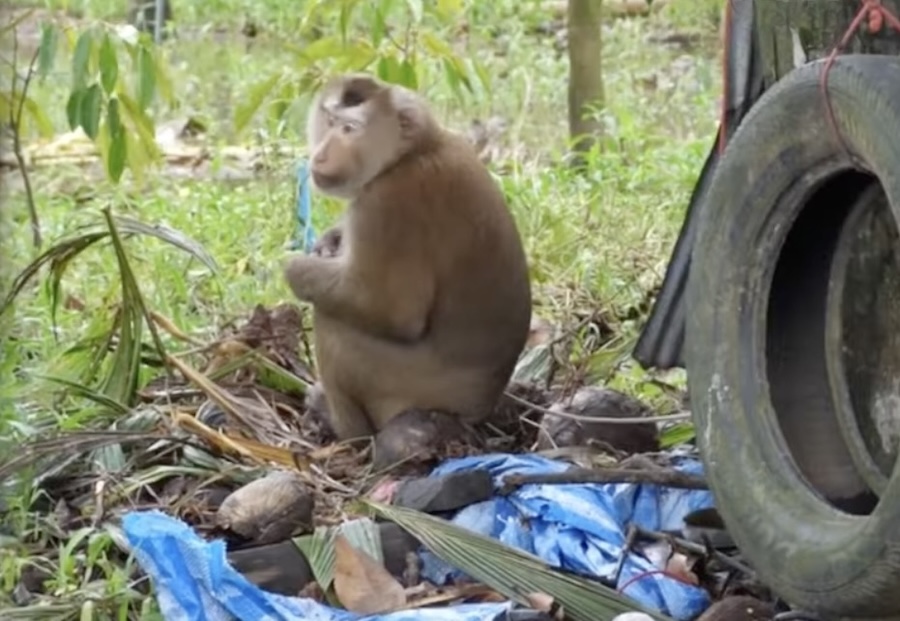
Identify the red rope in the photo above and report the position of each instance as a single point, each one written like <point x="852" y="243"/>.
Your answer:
<point x="876" y="15"/>
<point x="653" y="572"/>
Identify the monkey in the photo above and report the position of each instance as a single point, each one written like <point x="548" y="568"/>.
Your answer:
<point x="329" y="244"/>
<point x="421" y="299"/>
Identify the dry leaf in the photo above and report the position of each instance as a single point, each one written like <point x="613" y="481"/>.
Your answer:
<point x="363" y="585"/>
<point x="678" y="566"/>
<point x="540" y="601"/>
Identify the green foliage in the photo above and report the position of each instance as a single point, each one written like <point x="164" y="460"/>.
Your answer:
<point x="117" y="383"/>
<point x="402" y="42"/>
<point x="110" y="108"/>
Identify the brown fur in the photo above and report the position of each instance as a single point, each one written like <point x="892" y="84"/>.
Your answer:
<point x="425" y="303"/>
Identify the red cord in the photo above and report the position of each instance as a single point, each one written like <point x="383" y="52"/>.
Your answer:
<point x="723" y="109"/>
<point x="876" y="14"/>
<point x="653" y="572"/>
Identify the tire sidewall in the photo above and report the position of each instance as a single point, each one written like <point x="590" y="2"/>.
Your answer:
<point x="808" y="551"/>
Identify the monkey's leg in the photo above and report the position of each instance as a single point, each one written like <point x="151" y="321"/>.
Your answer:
<point x="347" y="419"/>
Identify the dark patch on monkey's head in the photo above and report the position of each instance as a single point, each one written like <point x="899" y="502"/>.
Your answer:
<point x="358" y="90"/>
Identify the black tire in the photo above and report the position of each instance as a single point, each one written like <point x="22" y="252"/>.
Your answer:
<point x="784" y="480"/>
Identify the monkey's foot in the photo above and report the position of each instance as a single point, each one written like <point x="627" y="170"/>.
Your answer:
<point x="419" y="437"/>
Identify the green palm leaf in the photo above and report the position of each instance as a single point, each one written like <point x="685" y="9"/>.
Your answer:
<point x="514" y="573"/>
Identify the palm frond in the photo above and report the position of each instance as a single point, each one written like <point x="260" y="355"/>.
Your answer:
<point x="514" y="573"/>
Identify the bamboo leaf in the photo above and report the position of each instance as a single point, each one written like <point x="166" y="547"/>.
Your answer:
<point x="88" y="393"/>
<point x="73" y="107"/>
<point x="254" y="99"/>
<point x="47" y="49"/>
<point x="109" y="65"/>
<point x="80" y="59"/>
<point x="146" y="70"/>
<point x="61" y="252"/>
<point x="89" y="110"/>
<point x="118" y="153"/>
<point x="43" y="123"/>
<point x="326" y="47"/>
<point x="169" y="235"/>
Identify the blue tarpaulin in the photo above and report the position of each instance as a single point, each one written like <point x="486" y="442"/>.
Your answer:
<point x="581" y="527"/>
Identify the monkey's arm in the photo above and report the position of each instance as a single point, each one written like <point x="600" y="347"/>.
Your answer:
<point x="393" y="304"/>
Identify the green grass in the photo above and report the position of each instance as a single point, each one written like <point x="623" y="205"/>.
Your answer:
<point x="597" y="242"/>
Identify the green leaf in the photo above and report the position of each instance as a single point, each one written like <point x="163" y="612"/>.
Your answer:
<point x="89" y="110"/>
<point x="677" y="434"/>
<point x="44" y="125"/>
<point x="408" y="75"/>
<point x="80" y="59"/>
<point x="510" y="571"/>
<point x="452" y="76"/>
<point x="389" y="70"/>
<point x="109" y="65"/>
<point x="142" y="123"/>
<point x="47" y="49"/>
<point x="347" y="8"/>
<point x="87" y="392"/>
<point x="378" y="27"/>
<point x="163" y="81"/>
<point x="254" y="98"/>
<point x="318" y="547"/>
<point x="122" y="382"/>
<point x="73" y="107"/>
<point x="326" y="47"/>
<point x="483" y="76"/>
<point x="146" y="77"/>
<point x="434" y="45"/>
<point x="118" y="147"/>
<point x="170" y="236"/>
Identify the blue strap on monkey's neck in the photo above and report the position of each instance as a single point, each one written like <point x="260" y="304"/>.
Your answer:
<point x="305" y="236"/>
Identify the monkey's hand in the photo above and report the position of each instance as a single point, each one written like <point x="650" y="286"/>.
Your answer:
<point x="393" y="306"/>
<point x="329" y="245"/>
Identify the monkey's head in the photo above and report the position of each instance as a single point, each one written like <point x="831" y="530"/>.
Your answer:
<point x="359" y="127"/>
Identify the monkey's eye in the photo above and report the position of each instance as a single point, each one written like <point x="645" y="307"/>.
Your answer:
<point x="349" y="127"/>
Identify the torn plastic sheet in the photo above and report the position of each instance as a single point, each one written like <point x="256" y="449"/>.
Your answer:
<point x="581" y="527"/>
<point x="193" y="580"/>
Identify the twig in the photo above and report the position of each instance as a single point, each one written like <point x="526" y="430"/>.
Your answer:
<point x="599" y="419"/>
<point x="629" y="543"/>
<point x="15" y="120"/>
<point x="695" y="548"/>
<point x="668" y="478"/>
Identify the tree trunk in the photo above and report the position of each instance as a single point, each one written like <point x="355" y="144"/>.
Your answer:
<point x="585" y="73"/>
<point x="815" y="26"/>
<point x="142" y="15"/>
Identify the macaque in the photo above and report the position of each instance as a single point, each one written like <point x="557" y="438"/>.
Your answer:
<point x="421" y="295"/>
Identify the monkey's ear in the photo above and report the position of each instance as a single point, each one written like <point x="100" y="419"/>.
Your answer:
<point x="411" y="111"/>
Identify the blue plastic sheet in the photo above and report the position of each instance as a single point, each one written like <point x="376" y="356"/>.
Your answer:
<point x="193" y="581"/>
<point x="581" y="527"/>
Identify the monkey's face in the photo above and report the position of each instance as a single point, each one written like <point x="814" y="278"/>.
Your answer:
<point x="353" y="139"/>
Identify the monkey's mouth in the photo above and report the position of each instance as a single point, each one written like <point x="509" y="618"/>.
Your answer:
<point x="325" y="180"/>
